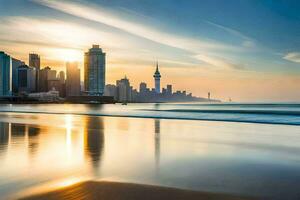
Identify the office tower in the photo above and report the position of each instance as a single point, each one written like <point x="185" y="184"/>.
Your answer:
<point x="94" y="71"/>
<point x="164" y="91"/>
<point x="5" y="74"/>
<point x="157" y="79"/>
<point x="169" y="90"/>
<point x="54" y="84"/>
<point x="123" y="90"/>
<point x="62" y="81"/>
<point x="62" y="77"/>
<point x="73" y="79"/>
<point x="15" y="64"/>
<point x="110" y="90"/>
<point x="143" y="88"/>
<point x="34" y="61"/>
<point x="45" y="76"/>
<point x="26" y="79"/>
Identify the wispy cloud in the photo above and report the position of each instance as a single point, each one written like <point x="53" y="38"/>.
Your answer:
<point x="293" y="57"/>
<point x="219" y="62"/>
<point x="108" y="17"/>
<point x="248" y="42"/>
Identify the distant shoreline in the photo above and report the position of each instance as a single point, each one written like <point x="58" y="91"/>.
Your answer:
<point x="127" y="191"/>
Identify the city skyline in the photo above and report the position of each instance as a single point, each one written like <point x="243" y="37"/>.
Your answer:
<point x="251" y="58"/>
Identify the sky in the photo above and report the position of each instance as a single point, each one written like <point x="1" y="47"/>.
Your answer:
<point x="246" y="50"/>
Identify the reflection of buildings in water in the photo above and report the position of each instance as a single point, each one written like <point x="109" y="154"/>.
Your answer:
<point x="33" y="144"/>
<point x="4" y="136"/>
<point x="17" y="130"/>
<point x="157" y="142"/>
<point x="94" y="140"/>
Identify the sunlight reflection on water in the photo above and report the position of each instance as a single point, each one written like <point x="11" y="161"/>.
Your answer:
<point x="58" y="150"/>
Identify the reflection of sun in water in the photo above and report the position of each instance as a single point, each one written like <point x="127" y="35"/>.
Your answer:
<point x="69" y="126"/>
<point x="68" y="182"/>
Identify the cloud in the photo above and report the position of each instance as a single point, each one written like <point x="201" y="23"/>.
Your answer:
<point x="293" y="57"/>
<point x="113" y="19"/>
<point x="219" y="62"/>
<point x="248" y="42"/>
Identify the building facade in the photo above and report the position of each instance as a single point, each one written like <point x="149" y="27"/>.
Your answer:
<point x="5" y="75"/>
<point x="123" y="90"/>
<point x="35" y="61"/>
<point x="15" y="65"/>
<point x="73" y="79"/>
<point x="94" y="71"/>
<point x="26" y="79"/>
<point x="111" y="90"/>
<point x="45" y="75"/>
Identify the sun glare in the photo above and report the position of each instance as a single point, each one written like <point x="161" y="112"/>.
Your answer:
<point x="70" y="55"/>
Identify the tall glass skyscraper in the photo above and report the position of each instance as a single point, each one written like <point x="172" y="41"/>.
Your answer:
<point x="94" y="71"/>
<point x="5" y="74"/>
<point x="73" y="79"/>
<point x="15" y="65"/>
<point x="35" y="61"/>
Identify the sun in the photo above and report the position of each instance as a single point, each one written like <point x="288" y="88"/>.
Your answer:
<point x="71" y="55"/>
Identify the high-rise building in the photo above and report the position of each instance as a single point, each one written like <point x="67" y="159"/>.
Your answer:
<point x="5" y="74"/>
<point x="143" y="88"/>
<point x="26" y="79"/>
<point x="45" y="75"/>
<point x="110" y="90"/>
<point x="123" y="90"/>
<point x="169" y="90"/>
<point x="62" y="81"/>
<point x="94" y="71"/>
<point x="157" y="79"/>
<point x="54" y="85"/>
<point x="15" y="64"/>
<point x="34" y="61"/>
<point x="62" y="76"/>
<point x="73" y="79"/>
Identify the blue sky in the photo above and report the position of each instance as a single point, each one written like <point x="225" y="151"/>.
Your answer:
<point x="248" y="50"/>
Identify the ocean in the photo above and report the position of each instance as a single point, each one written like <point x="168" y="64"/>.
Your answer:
<point x="243" y="149"/>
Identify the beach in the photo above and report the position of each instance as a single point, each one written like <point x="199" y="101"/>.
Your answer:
<point x="73" y="149"/>
<point x="126" y="191"/>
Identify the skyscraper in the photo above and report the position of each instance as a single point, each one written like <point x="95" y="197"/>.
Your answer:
<point x="94" y="71"/>
<point x="26" y="79"/>
<point x="45" y="76"/>
<point x="157" y="79"/>
<point x="123" y="90"/>
<point x="34" y="61"/>
<point x="73" y="79"/>
<point x="169" y="90"/>
<point x="143" y="88"/>
<point x="15" y="64"/>
<point x="5" y="74"/>
<point x="111" y="90"/>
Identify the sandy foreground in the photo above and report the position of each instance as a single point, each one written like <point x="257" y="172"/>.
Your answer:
<point x="126" y="191"/>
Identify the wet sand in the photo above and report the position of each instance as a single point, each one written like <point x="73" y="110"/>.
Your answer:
<point x="126" y="191"/>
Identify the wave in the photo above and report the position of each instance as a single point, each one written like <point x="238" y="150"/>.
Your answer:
<point x="253" y="112"/>
<point x="268" y="120"/>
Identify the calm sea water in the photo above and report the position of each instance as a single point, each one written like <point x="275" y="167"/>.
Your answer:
<point x="271" y="113"/>
<point x="50" y="146"/>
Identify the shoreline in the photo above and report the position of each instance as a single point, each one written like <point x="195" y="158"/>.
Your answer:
<point x="151" y="117"/>
<point x="127" y="191"/>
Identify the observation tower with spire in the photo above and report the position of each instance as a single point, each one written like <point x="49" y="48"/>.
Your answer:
<point x="157" y="79"/>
